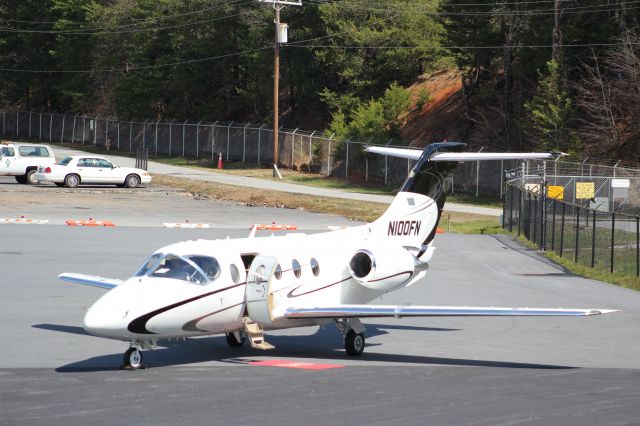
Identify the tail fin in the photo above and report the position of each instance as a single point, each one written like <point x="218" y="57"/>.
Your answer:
<point x="413" y="216"/>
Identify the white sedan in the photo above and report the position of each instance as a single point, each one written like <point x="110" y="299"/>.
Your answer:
<point x="90" y="169"/>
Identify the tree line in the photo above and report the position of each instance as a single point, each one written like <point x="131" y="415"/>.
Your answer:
<point x="552" y="74"/>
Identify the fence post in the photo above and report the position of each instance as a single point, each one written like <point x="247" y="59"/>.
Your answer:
<point x="130" y="135"/>
<point x="520" y="196"/>
<point x="244" y="142"/>
<point x="106" y="131"/>
<point x="73" y="133"/>
<point x="17" y="123"/>
<point x="118" y="141"/>
<point x="501" y="178"/>
<point x="593" y="240"/>
<point x="346" y="168"/>
<point x="613" y="235"/>
<point x="144" y="134"/>
<point x="577" y="233"/>
<point x="30" y="112"/>
<point x="170" y="129"/>
<point x="259" y="141"/>
<point x="50" y="127"/>
<point x="510" y="190"/>
<point x="553" y="226"/>
<point x="84" y="124"/>
<point x="228" y="138"/>
<point x="213" y="130"/>
<point x="293" y="146"/>
<point x="157" y="137"/>
<point x="95" y="131"/>
<point x="183" y="135"/>
<point x="310" y="150"/>
<point x="39" y="130"/>
<point x="535" y="220"/>
<point x="329" y="156"/>
<point x="198" y="139"/>
<point x="637" y="246"/>
<point x="562" y="229"/>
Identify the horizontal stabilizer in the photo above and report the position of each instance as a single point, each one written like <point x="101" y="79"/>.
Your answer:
<point x="373" y="311"/>
<point x="414" y="154"/>
<point x="92" y="280"/>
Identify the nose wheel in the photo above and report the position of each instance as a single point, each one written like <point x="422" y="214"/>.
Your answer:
<point x="132" y="358"/>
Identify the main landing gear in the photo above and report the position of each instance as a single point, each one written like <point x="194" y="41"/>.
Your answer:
<point x="353" y="333"/>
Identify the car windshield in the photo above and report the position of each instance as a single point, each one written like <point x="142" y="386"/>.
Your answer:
<point x="65" y="161"/>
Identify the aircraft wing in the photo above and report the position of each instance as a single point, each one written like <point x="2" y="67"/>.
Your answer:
<point x="398" y="311"/>
<point x="92" y="280"/>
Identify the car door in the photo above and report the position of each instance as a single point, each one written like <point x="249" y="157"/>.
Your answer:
<point x="87" y="170"/>
<point x="105" y="172"/>
<point x="10" y="164"/>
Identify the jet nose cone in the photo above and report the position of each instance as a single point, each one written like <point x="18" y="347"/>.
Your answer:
<point x="105" y="322"/>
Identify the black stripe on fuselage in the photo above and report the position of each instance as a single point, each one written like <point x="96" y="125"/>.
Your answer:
<point x="139" y="325"/>
<point x="191" y="325"/>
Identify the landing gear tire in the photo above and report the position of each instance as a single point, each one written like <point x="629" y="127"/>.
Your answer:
<point x="132" y="359"/>
<point x="233" y="341"/>
<point x="354" y="343"/>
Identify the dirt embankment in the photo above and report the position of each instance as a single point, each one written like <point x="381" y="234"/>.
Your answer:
<point x="440" y="117"/>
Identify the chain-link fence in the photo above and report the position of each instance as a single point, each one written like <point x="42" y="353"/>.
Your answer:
<point x="307" y="151"/>
<point x="607" y="241"/>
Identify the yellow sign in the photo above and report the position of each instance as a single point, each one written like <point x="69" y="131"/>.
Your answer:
<point x="585" y="190"/>
<point x="556" y="192"/>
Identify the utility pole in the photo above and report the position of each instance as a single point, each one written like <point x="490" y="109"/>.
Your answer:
<point x="280" y="37"/>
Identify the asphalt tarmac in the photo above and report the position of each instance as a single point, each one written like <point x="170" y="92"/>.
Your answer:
<point x="437" y="371"/>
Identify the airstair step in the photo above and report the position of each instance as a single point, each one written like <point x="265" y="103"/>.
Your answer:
<point x="256" y="335"/>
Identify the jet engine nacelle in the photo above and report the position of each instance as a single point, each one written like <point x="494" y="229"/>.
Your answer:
<point x="382" y="268"/>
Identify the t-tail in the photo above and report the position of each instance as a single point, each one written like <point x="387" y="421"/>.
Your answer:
<point x="412" y="218"/>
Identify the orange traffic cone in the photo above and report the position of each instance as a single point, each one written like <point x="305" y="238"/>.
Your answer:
<point x="220" y="161"/>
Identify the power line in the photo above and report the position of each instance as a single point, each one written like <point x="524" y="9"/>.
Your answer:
<point x="541" y="46"/>
<point x="139" y="67"/>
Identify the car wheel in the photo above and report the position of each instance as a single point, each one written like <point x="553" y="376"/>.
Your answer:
<point x="21" y="179"/>
<point x="132" y="181"/>
<point x="31" y="177"/>
<point x="71" y="181"/>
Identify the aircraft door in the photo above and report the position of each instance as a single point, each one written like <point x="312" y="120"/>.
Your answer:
<point x="258" y="293"/>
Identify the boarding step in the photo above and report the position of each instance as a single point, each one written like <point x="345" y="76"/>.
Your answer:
<point x="256" y="335"/>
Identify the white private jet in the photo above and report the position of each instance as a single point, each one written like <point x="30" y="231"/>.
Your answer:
<point x="241" y="287"/>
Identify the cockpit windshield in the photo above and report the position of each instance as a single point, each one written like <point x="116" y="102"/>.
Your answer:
<point x="194" y="268"/>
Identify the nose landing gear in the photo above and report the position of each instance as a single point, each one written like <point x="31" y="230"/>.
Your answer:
<point x="132" y="358"/>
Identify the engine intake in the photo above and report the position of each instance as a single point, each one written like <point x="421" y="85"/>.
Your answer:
<point x="382" y="272"/>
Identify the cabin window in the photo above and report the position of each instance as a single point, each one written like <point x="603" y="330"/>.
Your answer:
<point x="278" y="272"/>
<point x="297" y="270"/>
<point x="235" y="273"/>
<point x="315" y="268"/>
<point x="209" y="265"/>
<point x="177" y="268"/>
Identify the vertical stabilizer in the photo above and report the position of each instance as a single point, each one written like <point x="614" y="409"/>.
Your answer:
<point x="413" y="216"/>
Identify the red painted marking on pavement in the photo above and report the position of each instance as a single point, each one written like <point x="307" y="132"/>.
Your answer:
<point x="295" y="364"/>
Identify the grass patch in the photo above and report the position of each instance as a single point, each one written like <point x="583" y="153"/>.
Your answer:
<point x="356" y="210"/>
<point x="484" y="201"/>
<point x="619" y="279"/>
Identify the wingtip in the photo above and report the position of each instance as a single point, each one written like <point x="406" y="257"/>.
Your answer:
<point x="602" y="311"/>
